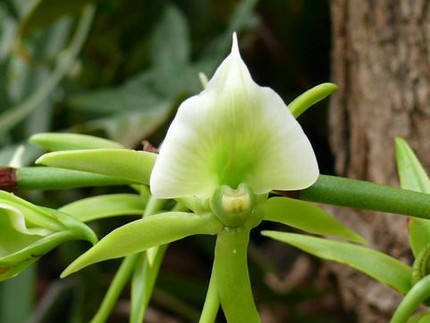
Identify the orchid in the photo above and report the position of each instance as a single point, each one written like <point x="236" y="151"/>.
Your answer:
<point x="226" y="150"/>
<point x="228" y="153"/>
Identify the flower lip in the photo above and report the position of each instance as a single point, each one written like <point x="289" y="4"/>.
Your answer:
<point x="233" y="132"/>
<point x="233" y="206"/>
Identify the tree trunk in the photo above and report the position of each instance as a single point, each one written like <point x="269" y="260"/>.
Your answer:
<point x="381" y="63"/>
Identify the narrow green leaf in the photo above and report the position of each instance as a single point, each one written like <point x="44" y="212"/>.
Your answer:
<point x="232" y="277"/>
<point x="411" y="173"/>
<point x="142" y="234"/>
<point x="367" y="196"/>
<point x="310" y="97"/>
<point x="80" y="230"/>
<point x="413" y="177"/>
<point x="135" y="166"/>
<point x="51" y="178"/>
<point x="13" y="264"/>
<point x="307" y="217"/>
<point x="52" y="141"/>
<point x="103" y="206"/>
<point x="377" y="265"/>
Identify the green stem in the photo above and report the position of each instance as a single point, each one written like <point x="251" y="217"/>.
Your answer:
<point x="121" y="278"/>
<point x="412" y="300"/>
<point x="51" y="178"/>
<point x="310" y="97"/>
<point x="212" y="302"/>
<point x="146" y="272"/>
<point x="143" y="283"/>
<point x="232" y="277"/>
<point x="367" y="196"/>
<point x="14" y="115"/>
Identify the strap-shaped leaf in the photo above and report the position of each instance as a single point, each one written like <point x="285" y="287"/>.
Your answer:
<point x="307" y="217"/>
<point x="142" y="234"/>
<point x="377" y="265"/>
<point x="81" y="230"/>
<point x="14" y="263"/>
<point x="104" y="206"/>
<point x="310" y="97"/>
<point x="413" y="177"/>
<point x="52" y="141"/>
<point x="232" y="277"/>
<point x="132" y="165"/>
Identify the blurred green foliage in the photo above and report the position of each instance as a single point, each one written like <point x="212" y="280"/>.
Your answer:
<point x="123" y="78"/>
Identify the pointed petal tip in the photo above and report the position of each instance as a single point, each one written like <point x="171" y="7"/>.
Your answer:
<point x="235" y="45"/>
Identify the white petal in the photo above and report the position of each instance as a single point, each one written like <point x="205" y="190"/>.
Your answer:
<point x="234" y="131"/>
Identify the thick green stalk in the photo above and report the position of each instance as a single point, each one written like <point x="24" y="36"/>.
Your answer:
<point x="121" y="278"/>
<point x="232" y="277"/>
<point x="367" y="196"/>
<point x="417" y="295"/>
<point x="51" y="178"/>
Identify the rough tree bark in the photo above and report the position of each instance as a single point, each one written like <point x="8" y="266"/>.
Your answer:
<point x="381" y="62"/>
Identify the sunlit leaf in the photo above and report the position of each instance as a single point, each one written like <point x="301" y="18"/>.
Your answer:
<point x="413" y="177"/>
<point x="103" y="206"/>
<point x="307" y="217"/>
<point x="148" y="232"/>
<point x="52" y="141"/>
<point x="16" y="262"/>
<point x="79" y="229"/>
<point x="135" y="166"/>
<point x="377" y="265"/>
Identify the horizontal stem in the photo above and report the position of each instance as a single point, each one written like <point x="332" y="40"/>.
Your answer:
<point x="51" y="178"/>
<point x="367" y="196"/>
